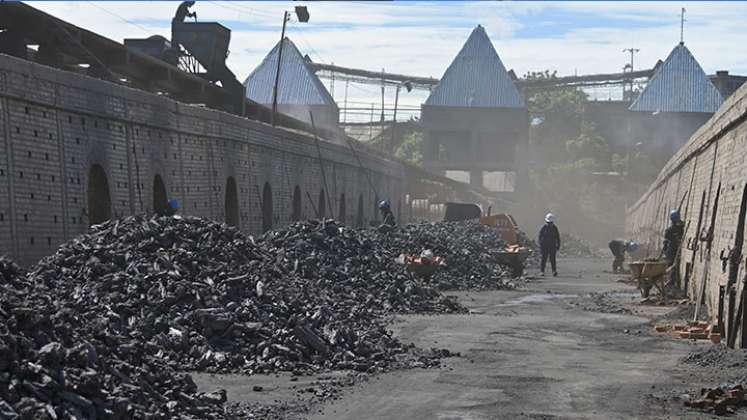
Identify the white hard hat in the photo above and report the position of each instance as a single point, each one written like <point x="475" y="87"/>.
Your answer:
<point x="550" y="218"/>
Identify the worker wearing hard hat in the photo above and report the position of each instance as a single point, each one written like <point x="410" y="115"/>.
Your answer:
<point x="387" y="216"/>
<point x="619" y="247"/>
<point x="168" y="209"/>
<point x="672" y="241"/>
<point x="549" y="242"/>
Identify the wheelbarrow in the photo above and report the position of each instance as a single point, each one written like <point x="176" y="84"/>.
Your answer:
<point x="650" y="274"/>
<point x="421" y="267"/>
<point x="514" y="256"/>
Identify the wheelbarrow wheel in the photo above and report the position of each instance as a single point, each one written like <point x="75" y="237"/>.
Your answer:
<point x="645" y="288"/>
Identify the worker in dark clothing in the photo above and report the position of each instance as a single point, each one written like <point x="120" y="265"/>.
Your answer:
<point x="549" y="242"/>
<point x="672" y="240"/>
<point x="170" y="209"/>
<point x="387" y="216"/>
<point x="619" y="247"/>
<point x="182" y="13"/>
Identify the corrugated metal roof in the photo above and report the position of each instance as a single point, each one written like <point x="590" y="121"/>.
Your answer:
<point x="298" y="85"/>
<point x="476" y="78"/>
<point x="679" y="85"/>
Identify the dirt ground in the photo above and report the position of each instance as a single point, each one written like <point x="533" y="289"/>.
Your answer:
<point x="578" y="346"/>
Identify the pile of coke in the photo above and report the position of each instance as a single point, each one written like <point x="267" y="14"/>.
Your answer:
<point x="329" y="254"/>
<point x="54" y="366"/>
<point x="469" y="249"/>
<point x="358" y="267"/>
<point x="106" y="324"/>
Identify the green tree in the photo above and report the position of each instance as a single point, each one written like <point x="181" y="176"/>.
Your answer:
<point x="557" y="116"/>
<point x="589" y="147"/>
<point x="410" y="148"/>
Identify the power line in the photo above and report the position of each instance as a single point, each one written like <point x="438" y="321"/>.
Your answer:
<point x="241" y="9"/>
<point x="257" y="12"/>
<point x="119" y="17"/>
<point x="301" y="33"/>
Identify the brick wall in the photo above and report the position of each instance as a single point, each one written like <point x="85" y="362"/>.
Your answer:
<point x="706" y="179"/>
<point x="56" y="126"/>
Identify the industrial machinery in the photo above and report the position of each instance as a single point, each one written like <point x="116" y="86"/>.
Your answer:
<point x="200" y="48"/>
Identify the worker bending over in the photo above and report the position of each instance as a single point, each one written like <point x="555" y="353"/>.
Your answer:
<point x="619" y="247"/>
<point x="672" y="241"/>
<point x="549" y="242"/>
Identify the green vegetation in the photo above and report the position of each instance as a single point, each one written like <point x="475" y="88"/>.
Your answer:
<point x="410" y="148"/>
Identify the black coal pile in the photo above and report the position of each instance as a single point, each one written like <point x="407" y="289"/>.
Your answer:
<point x="106" y="326"/>
<point x="9" y="270"/>
<point x="329" y="253"/>
<point x="356" y="266"/>
<point x="54" y="366"/>
<point x="470" y="251"/>
<point x="202" y="296"/>
<point x="572" y="246"/>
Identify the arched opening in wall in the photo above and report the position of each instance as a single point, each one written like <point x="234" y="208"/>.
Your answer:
<point x="266" y="207"/>
<point x="160" y="196"/>
<point x="322" y="207"/>
<point x="99" y="200"/>
<point x="296" y="214"/>
<point x="341" y="211"/>
<point x="359" y="217"/>
<point x="232" y="203"/>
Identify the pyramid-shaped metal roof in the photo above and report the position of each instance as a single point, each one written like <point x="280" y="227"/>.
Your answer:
<point x="679" y="85"/>
<point x="298" y="85"/>
<point x="476" y="78"/>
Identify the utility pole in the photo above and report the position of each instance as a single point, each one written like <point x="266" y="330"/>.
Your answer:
<point x="394" y="119"/>
<point x="303" y="16"/>
<point x="345" y="103"/>
<point x="382" y="97"/>
<point x="332" y="83"/>
<point x="370" y="124"/>
<point x="630" y="67"/>
<point x="682" y="26"/>
<point x="632" y="52"/>
<point x="277" y="72"/>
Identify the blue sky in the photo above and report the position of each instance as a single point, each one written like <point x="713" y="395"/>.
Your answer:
<point x="421" y="38"/>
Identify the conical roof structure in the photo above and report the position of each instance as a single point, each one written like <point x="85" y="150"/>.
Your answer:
<point x="679" y="85"/>
<point x="298" y="85"/>
<point x="476" y="78"/>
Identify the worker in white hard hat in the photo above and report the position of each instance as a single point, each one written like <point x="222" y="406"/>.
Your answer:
<point x="549" y="242"/>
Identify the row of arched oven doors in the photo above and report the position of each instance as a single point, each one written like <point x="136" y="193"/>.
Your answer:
<point x="100" y="203"/>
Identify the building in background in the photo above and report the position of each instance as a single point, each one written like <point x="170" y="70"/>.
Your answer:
<point x="475" y="121"/>
<point x="299" y="89"/>
<point x="677" y="100"/>
<point x="727" y="83"/>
